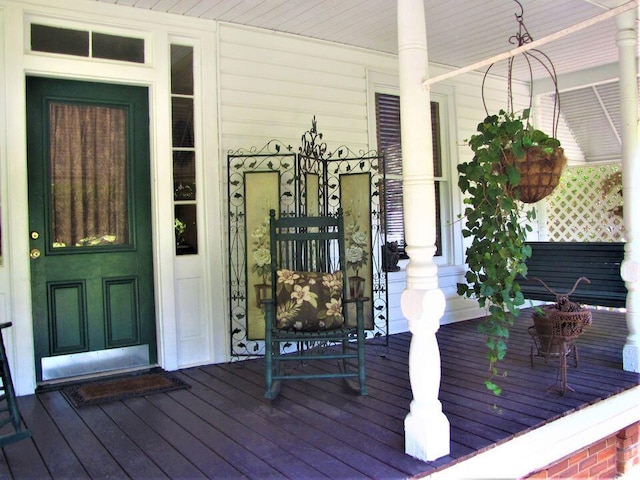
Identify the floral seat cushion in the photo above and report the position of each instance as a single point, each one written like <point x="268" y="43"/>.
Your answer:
<point x="309" y="301"/>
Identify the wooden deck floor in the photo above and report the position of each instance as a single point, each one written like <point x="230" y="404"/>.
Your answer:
<point x="223" y="428"/>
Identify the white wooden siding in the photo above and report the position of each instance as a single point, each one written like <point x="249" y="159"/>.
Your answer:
<point x="330" y="81"/>
<point x="271" y="85"/>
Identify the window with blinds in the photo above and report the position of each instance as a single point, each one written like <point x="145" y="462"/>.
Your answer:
<point x="388" y="137"/>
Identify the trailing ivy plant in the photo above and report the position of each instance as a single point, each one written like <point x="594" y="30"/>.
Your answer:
<point x="494" y="219"/>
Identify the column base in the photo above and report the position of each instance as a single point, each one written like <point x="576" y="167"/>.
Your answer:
<point x="427" y="434"/>
<point x="631" y="358"/>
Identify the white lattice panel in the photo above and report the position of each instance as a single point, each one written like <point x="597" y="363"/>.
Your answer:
<point x="581" y="207"/>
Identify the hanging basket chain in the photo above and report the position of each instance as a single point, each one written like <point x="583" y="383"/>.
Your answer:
<point x="520" y="38"/>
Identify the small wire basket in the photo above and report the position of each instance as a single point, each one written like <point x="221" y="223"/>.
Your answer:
<point x="556" y="328"/>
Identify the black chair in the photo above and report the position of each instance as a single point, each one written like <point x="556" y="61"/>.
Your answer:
<point x="9" y="412"/>
<point x="308" y="278"/>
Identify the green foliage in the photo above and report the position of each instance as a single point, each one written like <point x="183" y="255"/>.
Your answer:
<point x="494" y="220"/>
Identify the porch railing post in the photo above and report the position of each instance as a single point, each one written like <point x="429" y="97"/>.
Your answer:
<point x="427" y="431"/>
<point x="627" y="39"/>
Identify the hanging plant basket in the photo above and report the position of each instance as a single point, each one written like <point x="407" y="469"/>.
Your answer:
<point x="513" y="163"/>
<point x="541" y="161"/>
<point x="540" y="172"/>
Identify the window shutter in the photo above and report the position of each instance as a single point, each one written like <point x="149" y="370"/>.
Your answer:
<point x="388" y="128"/>
<point x="388" y="137"/>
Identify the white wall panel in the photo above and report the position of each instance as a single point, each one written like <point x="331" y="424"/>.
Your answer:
<point x="193" y="327"/>
<point x="271" y="86"/>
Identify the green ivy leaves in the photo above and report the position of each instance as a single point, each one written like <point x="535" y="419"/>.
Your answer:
<point x="497" y="224"/>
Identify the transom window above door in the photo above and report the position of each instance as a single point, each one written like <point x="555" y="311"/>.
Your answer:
<point x="85" y="43"/>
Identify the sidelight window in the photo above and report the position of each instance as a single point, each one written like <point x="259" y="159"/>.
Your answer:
<point x="184" y="152"/>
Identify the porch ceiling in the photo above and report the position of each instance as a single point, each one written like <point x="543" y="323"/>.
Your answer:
<point x="459" y="33"/>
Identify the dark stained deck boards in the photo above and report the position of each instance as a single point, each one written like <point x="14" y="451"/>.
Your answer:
<point x="86" y="444"/>
<point x="194" y="449"/>
<point x="159" y="450"/>
<point x="223" y="428"/>
<point x="131" y="458"/>
<point x="248" y="397"/>
<point x="268" y="441"/>
<point x="345" y="428"/>
<point x="329" y="430"/>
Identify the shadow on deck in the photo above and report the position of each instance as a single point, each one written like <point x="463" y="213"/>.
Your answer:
<point x="223" y="428"/>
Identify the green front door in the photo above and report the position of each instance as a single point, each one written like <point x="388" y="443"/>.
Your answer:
<point x="90" y="227"/>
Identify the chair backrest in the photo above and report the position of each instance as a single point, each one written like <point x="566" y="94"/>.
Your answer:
<point x="308" y="244"/>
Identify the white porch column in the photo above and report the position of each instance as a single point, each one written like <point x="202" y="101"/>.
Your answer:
<point x="426" y="427"/>
<point x="541" y="206"/>
<point x="627" y="39"/>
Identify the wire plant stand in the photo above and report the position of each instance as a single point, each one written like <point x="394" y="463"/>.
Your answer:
<point x="555" y="330"/>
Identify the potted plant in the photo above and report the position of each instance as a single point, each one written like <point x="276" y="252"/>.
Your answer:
<point x="179" y="227"/>
<point x="494" y="219"/>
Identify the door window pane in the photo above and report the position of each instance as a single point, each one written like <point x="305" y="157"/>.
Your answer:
<point x="88" y="165"/>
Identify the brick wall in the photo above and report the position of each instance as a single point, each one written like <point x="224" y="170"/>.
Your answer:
<point x="628" y="448"/>
<point x="607" y="458"/>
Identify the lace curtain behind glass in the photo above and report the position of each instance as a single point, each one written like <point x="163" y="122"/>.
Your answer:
<point x="88" y="175"/>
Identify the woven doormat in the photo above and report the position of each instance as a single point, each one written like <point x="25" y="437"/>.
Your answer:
<point x="103" y="391"/>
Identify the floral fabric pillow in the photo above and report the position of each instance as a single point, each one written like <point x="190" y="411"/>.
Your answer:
<point x="309" y="301"/>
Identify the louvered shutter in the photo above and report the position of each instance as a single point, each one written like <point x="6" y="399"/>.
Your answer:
<point x="388" y="137"/>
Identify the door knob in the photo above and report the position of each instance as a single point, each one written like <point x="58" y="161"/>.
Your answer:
<point x="34" y="254"/>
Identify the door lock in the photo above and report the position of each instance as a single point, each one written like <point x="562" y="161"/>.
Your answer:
<point x="35" y="235"/>
<point x="34" y="254"/>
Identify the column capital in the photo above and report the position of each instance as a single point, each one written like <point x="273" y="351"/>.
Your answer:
<point x="627" y="20"/>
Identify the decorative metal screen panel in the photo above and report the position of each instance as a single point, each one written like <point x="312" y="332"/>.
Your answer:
<point x="308" y="182"/>
<point x="587" y="205"/>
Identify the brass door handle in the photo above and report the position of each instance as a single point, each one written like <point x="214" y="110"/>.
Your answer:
<point x="34" y="254"/>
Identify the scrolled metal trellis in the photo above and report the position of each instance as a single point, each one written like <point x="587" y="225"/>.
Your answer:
<point x="292" y="167"/>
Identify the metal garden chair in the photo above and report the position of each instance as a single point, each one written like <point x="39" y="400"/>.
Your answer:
<point x="308" y="278"/>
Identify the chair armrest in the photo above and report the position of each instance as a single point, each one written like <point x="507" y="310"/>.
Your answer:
<point x="359" y="301"/>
